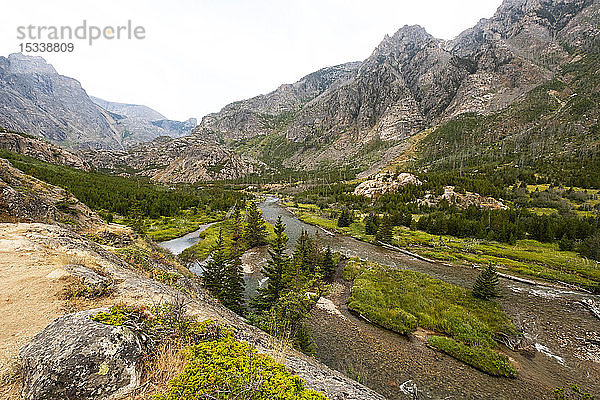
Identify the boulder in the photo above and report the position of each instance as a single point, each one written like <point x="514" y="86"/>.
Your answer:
<point x="77" y="358"/>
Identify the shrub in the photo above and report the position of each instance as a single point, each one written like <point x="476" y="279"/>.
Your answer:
<point x="229" y="369"/>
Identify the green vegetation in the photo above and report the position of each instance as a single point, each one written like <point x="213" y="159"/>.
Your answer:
<point x="402" y="300"/>
<point x="572" y="392"/>
<point x="295" y="284"/>
<point x="481" y="357"/>
<point x="548" y="261"/>
<point x="486" y="284"/>
<point x="229" y="369"/>
<point x="217" y="365"/>
<point x="167" y="228"/>
<point x="274" y="271"/>
<point x="222" y="275"/>
<point x="119" y="195"/>
<point x="232" y="229"/>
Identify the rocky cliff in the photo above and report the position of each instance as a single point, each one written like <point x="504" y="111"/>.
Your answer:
<point x="413" y="81"/>
<point x="35" y="99"/>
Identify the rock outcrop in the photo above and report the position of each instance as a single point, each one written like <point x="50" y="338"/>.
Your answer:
<point x="77" y="358"/>
<point x="385" y="182"/>
<point x="187" y="159"/>
<point x="462" y="200"/>
<point x="42" y="150"/>
<point x="27" y="199"/>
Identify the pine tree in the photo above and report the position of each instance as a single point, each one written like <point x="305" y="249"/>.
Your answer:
<point x="370" y="224"/>
<point x="486" y="284"/>
<point x="214" y="272"/>
<point x="274" y="271"/>
<point x="385" y="231"/>
<point x="255" y="231"/>
<point x="238" y="227"/>
<point x="303" y="256"/>
<point x="232" y="295"/>
<point x="345" y="218"/>
<point x="327" y="263"/>
<point x="135" y="219"/>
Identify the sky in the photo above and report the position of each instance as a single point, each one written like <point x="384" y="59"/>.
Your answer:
<point x="197" y="56"/>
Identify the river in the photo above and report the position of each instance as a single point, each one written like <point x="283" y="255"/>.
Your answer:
<point x="565" y="332"/>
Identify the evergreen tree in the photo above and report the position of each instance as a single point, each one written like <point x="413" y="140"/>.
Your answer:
<point x="214" y="272"/>
<point x="238" y="226"/>
<point x="385" y="231"/>
<point x="135" y="218"/>
<point x="303" y="257"/>
<point x="274" y="271"/>
<point x="370" y="224"/>
<point x="486" y="284"/>
<point x="255" y="231"/>
<point x="345" y="218"/>
<point x="327" y="263"/>
<point x="232" y="295"/>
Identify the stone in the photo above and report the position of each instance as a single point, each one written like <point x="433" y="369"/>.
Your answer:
<point x="96" y="284"/>
<point x="77" y="358"/>
<point x="385" y="182"/>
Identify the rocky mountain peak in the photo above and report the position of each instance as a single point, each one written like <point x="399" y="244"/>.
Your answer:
<point x="19" y="63"/>
<point x="406" y="39"/>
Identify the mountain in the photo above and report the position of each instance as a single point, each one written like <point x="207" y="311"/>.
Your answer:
<point x="526" y="77"/>
<point x="187" y="159"/>
<point x="411" y="82"/>
<point x="139" y="123"/>
<point x="35" y="99"/>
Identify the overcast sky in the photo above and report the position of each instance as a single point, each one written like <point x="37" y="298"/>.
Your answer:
<point x="200" y="55"/>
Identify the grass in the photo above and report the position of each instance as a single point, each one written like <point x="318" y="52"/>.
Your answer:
<point x="208" y="238"/>
<point x="526" y="258"/>
<point x="167" y="228"/>
<point x="402" y="300"/>
<point x="483" y="358"/>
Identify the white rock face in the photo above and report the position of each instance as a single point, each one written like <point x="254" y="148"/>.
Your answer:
<point x="462" y="199"/>
<point x="385" y="182"/>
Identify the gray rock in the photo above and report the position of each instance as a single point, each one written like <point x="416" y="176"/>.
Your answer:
<point x="77" y="358"/>
<point x="96" y="284"/>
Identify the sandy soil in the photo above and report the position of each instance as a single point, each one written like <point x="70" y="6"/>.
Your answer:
<point x="30" y="287"/>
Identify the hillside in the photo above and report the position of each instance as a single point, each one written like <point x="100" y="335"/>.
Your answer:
<point x="50" y="271"/>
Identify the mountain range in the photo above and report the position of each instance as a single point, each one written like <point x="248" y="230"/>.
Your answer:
<point x="35" y="99"/>
<point x="415" y="98"/>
